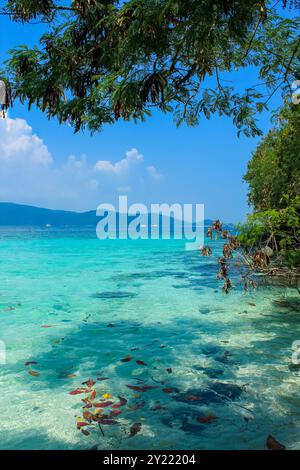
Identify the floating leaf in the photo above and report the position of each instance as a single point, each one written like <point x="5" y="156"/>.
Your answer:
<point x="193" y="398"/>
<point x="85" y="432"/>
<point x="171" y="390"/>
<point x="169" y="370"/>
<point x="93" y="395"/>
<point x="273" y="444"/>
<point x="141" y="389"/>
<point x="206" y="419"/>
<point x="126" y="359"/>
<point x="252" y="304"/>
<point x="34" y="373"/>
<point x="103" y="404"/>
<point x="102" y="378"/>
<point x="123" y="402"/>
<point x="47" y="326"/>
<point x="81" y="424"/>
<point x="87" y="415"/>
<point x="30" y="363"/>
<point x="116" y="412"/>
<point x="141" y="363"/>
<point x="135" y="428"/>
<point x="89" y="383"/>
<point x="107" y="421"/>
<point x="78" y="391"/>
<point x="70" y="376"/>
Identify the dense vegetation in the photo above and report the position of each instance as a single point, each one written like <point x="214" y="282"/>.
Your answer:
<point x="101" y="61"/>
<point x="274" y="180"/>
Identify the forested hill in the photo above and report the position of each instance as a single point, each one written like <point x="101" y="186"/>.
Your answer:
<point x="23" y="215"/>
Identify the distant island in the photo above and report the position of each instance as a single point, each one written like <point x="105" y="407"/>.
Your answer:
<point x="23" y="215"/>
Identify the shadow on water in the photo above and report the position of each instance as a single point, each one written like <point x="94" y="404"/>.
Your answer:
<point x="96" y="349"/>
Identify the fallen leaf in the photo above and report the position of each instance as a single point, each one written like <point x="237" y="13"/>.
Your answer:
<point x="110" y="325"/>
<point x="107" y="421"/>
<point x="70" y="376"/>
<point x="116" y="412"/>
<point x="47" y="326"/>
<point x="30" y="363"/>
<point x="252" y="304"/>
<point x="141" y="389"/>
<point x="123" y="402"/>
<point x="89" y="383"/>
<point x="85" y="432"/>
<point x="88" y="415"/>
<point x="193" y="398"/>
<point x="206" y="419"/>
<point x="81" y="424"/>
<point x="78" y="391"/>
<point x="93" y="395"/>
<point x="169" y="370"/>
<point x="103" y="404"/>
<point x="134" y="349"/>
<point x="171" y="390"/>
<point x="34" y="373"/>
<point x="126" y="359"/>
<point x="135" y="428"/>
<point x="141" y="363"/>
<point x="102" y="378"/>
<point x="273" y="444"/>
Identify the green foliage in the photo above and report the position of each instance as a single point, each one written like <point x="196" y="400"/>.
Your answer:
<point x="274" y="181"/>
<point x="274" y="171"/>
<point x="104" y="60"/>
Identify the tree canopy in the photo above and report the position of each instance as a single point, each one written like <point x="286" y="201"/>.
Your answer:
<point x="101" y="61"/>
<point x="274" y="188"/>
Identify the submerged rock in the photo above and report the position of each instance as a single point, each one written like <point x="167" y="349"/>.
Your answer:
<point x="114" y="295"/>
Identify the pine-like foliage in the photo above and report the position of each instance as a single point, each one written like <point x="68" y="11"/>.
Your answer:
<point x="101" y="61"/>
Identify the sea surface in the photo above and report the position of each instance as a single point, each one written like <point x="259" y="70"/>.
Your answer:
<point x="214" y="371"/>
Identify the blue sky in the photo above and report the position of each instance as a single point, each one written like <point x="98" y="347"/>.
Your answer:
<point x="152" y="162"/>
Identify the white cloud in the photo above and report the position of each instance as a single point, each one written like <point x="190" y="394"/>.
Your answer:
<point x="133" y="157"/>
<point x="152" y="171"/>
<point x="19" y="143"/>
<point x="29" y="173"/>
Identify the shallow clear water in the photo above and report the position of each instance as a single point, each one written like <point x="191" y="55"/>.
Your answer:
<point x="161" y="304"/>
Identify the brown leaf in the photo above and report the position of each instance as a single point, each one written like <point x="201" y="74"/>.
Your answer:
<point x="141" y="389"/>
<point x="34" y="373"/>
<point x="102" y="378"/>
<point x="89" y="383"/>
<point x="135" y="428"/>
<point x="123" y="402"/>
<point x="126" y="359"/>
<point x="171" y="390"/>
<point x="107" y="421"/>
<point x="206" y="419"/>
<point x="103" y="404"/>
<point x="78" y="391"/>
<point x="193" y="398"/>
<point x="141" y="363"/>
<point x="273" y="444"/>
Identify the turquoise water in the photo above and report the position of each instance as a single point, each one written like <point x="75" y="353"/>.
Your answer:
<point x="153" y="300"/>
